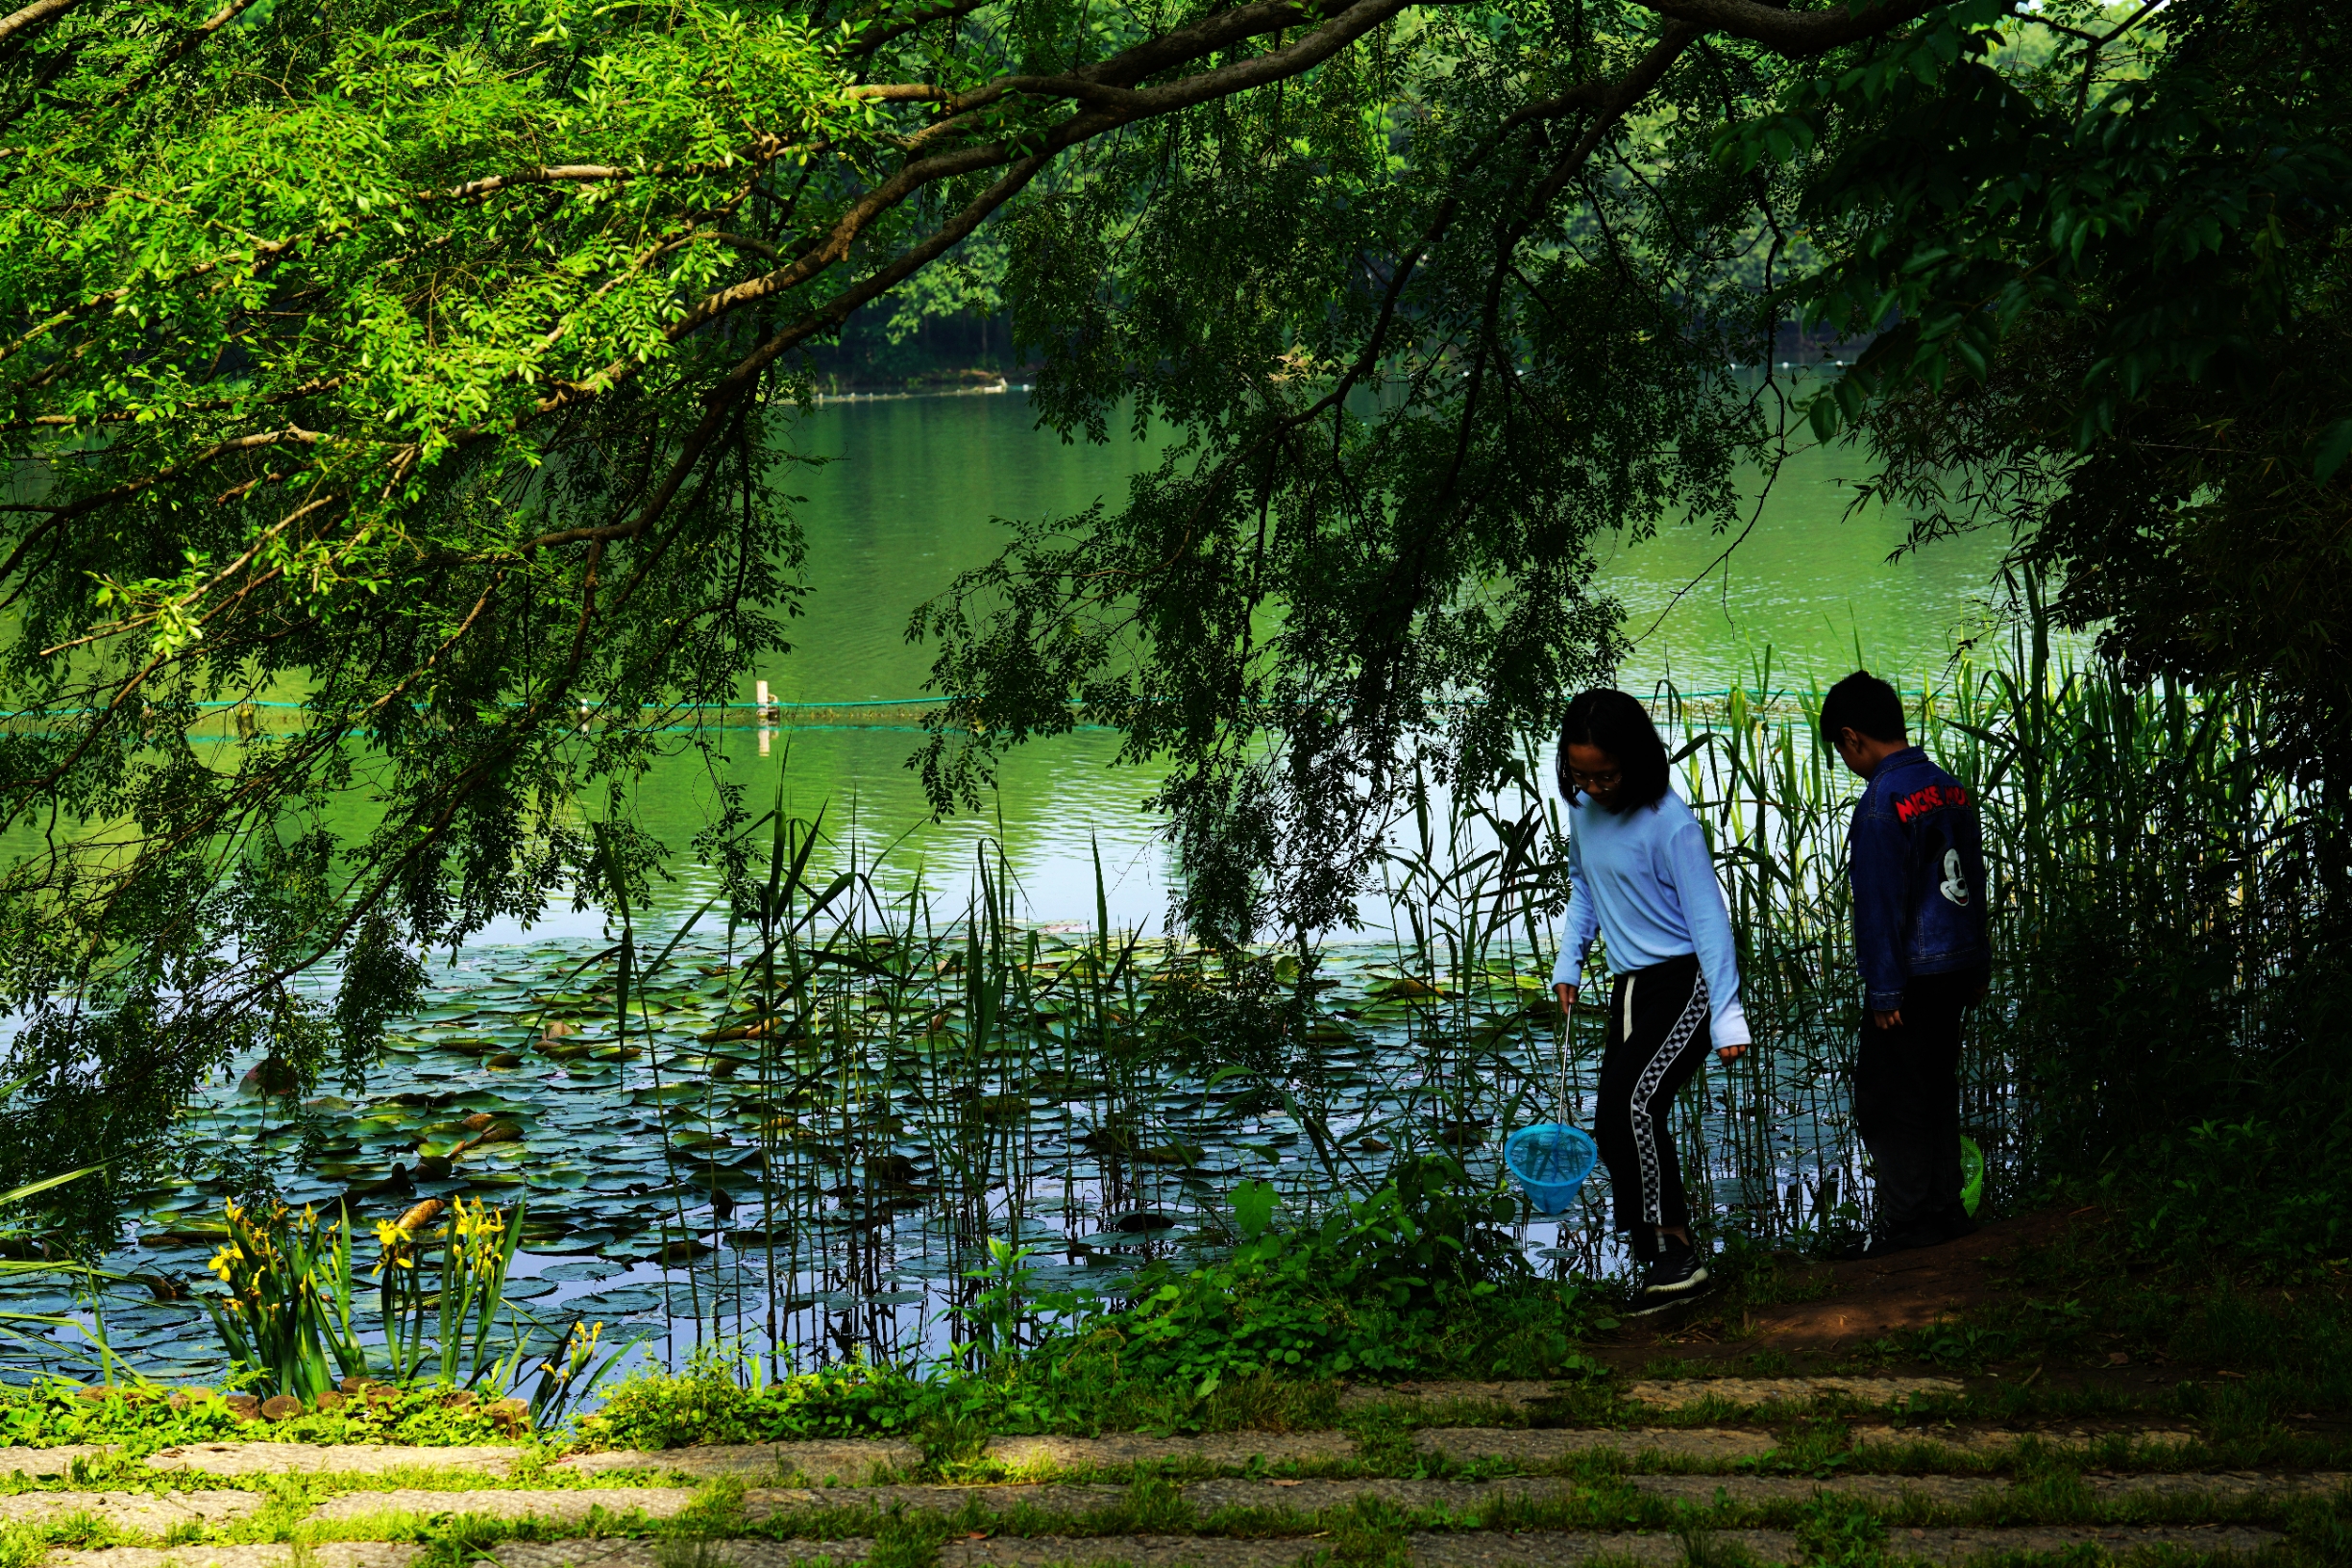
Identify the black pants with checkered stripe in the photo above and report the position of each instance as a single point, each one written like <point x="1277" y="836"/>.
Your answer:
<point x="1657" y="1037"/>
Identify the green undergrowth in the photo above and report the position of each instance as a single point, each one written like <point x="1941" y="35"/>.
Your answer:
<point x="1421" y="1279"/>
<point x="2249" y="1344"/>
<point x="54" y="1413"/>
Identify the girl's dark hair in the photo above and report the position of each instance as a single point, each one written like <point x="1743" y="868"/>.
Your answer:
<point x="1620" y="726"/>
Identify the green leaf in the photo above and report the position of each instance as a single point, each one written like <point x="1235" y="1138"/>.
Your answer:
<point x="2333" y="446"/>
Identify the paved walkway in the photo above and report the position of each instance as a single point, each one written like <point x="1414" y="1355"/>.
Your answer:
<point x="1484" y="1480"/>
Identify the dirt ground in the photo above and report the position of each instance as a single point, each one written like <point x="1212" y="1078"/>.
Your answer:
<point x="1848" y="1306"/>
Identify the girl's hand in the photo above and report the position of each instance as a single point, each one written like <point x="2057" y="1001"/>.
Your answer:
<point x="1730" y="1053"/>
<point x="1567" y="998"/>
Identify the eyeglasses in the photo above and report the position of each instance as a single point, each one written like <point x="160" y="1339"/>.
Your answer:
<point x="1596" y="782"/>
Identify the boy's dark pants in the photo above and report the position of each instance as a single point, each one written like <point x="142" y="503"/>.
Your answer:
<point x="1908" y="1107"/>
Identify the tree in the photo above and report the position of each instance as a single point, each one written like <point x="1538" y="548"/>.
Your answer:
<point x="2115" y="299"/>
<point x="412" y="365"/>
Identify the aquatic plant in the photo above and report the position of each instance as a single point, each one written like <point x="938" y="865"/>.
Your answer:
<point x="287" y="1315"/>
<point x="30" y="1259"/>
<point x="476" y="1249"/>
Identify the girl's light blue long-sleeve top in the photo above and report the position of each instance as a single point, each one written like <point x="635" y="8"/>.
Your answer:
<point x="1644" y="879"/>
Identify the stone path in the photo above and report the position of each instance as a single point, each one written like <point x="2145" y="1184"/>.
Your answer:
<point x="274" y="1554"/>
<point x="155" y="1514"/>
<point x="1750" y="1392"/>
<point x="1445" y="1391"/>
<point x="1131" y="1551"/>
<point x="847" y="1463"/>
<point x="1231" y="1451"/>
<point x="41" y="1463"/>
<point x="744" y="1554"/>
<point x="2223" y="1485"/>
<point x="1546" y="1549"/>
<point x="1548" y="1445"/>
<point x="1559" y="1548"/>
<point x="330" y="1458"/>
<point x="1994" y="1442"/>
<point x="567" y="1507"/>
<point x="1235" y="1509"/>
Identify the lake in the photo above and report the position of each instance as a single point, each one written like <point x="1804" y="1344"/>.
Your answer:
<point x="896" y="1137"/>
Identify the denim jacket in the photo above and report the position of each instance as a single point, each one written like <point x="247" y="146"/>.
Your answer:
<point x="1918" y="878"/>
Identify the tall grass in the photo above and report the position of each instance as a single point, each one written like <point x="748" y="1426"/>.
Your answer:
<point x="902" y="1096"/>
<point x="2167" y="944"/>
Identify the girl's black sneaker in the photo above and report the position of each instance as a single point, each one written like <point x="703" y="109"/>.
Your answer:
<point x="1679" y="1271"/>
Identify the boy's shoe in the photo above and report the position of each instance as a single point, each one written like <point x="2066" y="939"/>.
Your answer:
<point x="1910" y="1239"/>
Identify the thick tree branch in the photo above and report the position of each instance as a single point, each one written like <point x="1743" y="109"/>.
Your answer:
<point x="1793" y="33"/>
<point x="39" y="14"/>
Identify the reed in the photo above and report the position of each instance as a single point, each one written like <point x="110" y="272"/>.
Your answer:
<point x="2153" y="898"/>
<point x="913" y="1127"/>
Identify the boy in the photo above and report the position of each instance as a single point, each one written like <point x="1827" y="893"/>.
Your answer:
<point x="1919" y="894"/>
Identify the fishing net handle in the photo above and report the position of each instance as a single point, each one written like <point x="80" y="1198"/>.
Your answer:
<point x="1567" y="1036"/>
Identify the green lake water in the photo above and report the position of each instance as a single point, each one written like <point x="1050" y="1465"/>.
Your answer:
<point x="911" y="493"/>
<point x="915" y="482"/>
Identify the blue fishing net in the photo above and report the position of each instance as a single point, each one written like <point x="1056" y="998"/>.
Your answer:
<point x="1550" y="1161"/>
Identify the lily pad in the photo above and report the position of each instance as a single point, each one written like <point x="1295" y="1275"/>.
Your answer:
<point x="621" y="1301"/>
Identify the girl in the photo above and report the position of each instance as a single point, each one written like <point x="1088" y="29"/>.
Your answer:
<point x="1639" y="873"/>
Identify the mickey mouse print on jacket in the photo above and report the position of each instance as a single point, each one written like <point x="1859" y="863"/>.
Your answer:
<point x="1918" y="878"/>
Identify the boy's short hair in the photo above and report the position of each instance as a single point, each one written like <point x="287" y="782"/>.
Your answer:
<point x="1862" y="703"/>
<point x="1619" y="725"/>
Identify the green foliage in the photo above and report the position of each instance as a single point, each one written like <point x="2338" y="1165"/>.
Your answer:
<point x="416" y="368"/>
<point x="2267" y="1202"/>
<point x="708" y="1404"/>
<point x="476" y="1249"/>
<point x="49" y="1413"/>
<point x="1369" y="1292"/>
<point x="1416" y="1279"/>
<point x="289" y="1328"/>
<point x="1837" y="1534"/>
<point x="2108" y="290"/>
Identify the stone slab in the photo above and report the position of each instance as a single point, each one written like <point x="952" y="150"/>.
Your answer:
<point x="565" y="1508"/>
<point x="1445" y="1391"/>
<point x="1466" y="1497"/>
<point x="2227" y="1485"/>
<point x="613" y="1554"/>
<point x="273" y="1554"/>
<point x="850" y="1462"/>
<point x="1561" y="1549"/>
<point x="1959" y="1546"/>
<point x="1130" y="1551"/>
<point x="332" y="1458"/>
<point x="1548" y="1445"/>
<point x="42" y="1462"/>
<point x="1681" y="1394"/>
<point x="1222" y="1451"/>
<point x="1769" y="1491"/>
<point x="131" y="1510"/>
<point x="1997" y="1442"/>
<point x="1049" y="1496"/>
<point x="1309" y="1497"/>
<point x="1557" y="1548"/>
